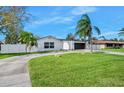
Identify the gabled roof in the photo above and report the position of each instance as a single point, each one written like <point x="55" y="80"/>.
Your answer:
<point x="106" y="42"/>
<point x="48" y="37"/>
<point x="53" y="38"/>
<point x="56" y="38"/>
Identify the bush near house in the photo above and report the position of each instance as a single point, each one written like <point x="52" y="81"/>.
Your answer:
<point x="114" y="47"/>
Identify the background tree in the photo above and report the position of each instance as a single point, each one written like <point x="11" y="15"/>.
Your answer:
<point x="70" y="36"/>
<point x="29" y="39"/>
<point x="121" y="39"/>
<point x="99" y="38"/>
<point x="12" y="19"/>
<point x="85" y="29"/>
<point x="114" y="39"/>
<point x="121" y="32"/>
<point x="94" y="38"/>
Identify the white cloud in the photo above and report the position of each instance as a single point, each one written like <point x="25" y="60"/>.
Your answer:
<point x="72" y="27"/>
<point x="53" y="20"/>
<point x="83" y="10"/>
<point x="64" y="19"/>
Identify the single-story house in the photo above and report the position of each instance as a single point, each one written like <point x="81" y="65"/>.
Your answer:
<point x="45" y="44"/>
<point x="52" y="43"/>
<point x="107" y="43"/>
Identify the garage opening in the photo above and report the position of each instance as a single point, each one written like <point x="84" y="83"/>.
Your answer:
<point x="79" y="45"/>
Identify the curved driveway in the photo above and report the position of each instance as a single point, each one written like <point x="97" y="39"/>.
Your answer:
<point x="14" y="72"/>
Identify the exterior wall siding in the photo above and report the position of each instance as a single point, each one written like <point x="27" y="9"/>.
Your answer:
<point x="70" y="45"/>
<point x="58" y="44"/>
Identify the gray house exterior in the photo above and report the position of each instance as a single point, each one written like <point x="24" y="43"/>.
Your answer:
<point x="44" y="44"/>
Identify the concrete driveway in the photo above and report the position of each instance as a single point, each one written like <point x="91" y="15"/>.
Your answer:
<point x="14" y="71"/>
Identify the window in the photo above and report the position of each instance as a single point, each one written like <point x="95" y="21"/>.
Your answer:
<point x="51" y="44"/>
<point x="48" y="44"/>
<point x="109" y="45"/>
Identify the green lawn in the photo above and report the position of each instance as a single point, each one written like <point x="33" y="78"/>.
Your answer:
<point x="76" y="69"/>
<point x="6" y="55"/>
<point x="2" y="56"/>
<point x="115" y="50"/>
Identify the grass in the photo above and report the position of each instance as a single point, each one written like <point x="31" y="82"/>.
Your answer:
<point x="77" y="70"/>
<point x="6" y="55"/>
<point x="115" y="50"/>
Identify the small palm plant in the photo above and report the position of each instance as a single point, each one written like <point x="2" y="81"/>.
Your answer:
<point x="85" y="29"/>
<point x="29" y="39"/>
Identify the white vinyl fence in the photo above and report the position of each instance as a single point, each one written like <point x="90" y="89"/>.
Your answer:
<point x="96" y="47"/>
<point x="15" y="48"/>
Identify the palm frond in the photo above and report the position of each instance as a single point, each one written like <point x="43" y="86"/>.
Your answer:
<point x="103" y="37"/>
<point x="97" y="30"/>
<point x="122" y="29"/>
<point x="86" y="17"/>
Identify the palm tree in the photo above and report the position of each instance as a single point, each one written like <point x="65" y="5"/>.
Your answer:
<point x="70" y="36"/>
<point x="85" y="29"/>
<point x="29" y="39"/>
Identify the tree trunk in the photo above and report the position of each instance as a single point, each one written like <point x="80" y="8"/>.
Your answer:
<point x="91" y="47"/>
<point x="90" y="41"/>
<point x="85" y="42"/>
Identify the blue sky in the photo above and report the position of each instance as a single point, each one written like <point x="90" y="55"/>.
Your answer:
<point x="61" y="20"/>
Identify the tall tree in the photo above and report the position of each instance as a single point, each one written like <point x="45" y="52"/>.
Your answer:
<point x="70" y="36"/>
<point x="12" y="19"/>
<point x="85" y="29"/>
<point x="29" y="39"/>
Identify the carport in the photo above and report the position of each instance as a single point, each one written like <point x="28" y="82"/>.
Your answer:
<point x="79" y="45"/>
